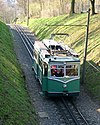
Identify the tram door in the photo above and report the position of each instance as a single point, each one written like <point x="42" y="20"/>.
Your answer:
<point x="44" y="78"/>
<point x="45" y="70"/>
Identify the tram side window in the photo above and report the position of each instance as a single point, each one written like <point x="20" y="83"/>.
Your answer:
<point x="71" y="70"/>
<point x="45" y="69"/>
<point x="57" y="71"/>
<point x="35" y="54"/>
<point x="40" y="62"/>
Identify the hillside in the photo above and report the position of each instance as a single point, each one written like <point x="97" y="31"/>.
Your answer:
<point x="76" y="41"/>
<point x="15" y="107"/>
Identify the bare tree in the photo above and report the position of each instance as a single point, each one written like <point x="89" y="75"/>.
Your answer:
<point x="72" y="7"/>
<point x="3" y="9"/>
<point x="93" y="6"/>
<point x="48" y="8"/>
<point x="23" y="4"/>
<point x="41" y="2"/>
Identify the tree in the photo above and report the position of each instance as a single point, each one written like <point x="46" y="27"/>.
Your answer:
<point x="93" y="6"/>
<point x="3" y="11"/>
<point x="23" y="4"/>
<point x="72" y="7"/>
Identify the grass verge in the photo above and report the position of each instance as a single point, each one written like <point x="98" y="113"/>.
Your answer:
<point x="15" y="107"/>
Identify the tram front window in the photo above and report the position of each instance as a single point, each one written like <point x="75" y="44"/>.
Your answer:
<point x="67" y="70"/>
<point x="71" y="70"/>
<point x="57" y="71"/>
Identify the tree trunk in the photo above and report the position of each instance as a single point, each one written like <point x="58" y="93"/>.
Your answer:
<point x="93" y="6"/>
<point x="72" y="7"/>
<point x="41" y="7"/>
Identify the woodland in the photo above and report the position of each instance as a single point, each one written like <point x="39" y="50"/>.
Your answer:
<point x="14" y="9"/>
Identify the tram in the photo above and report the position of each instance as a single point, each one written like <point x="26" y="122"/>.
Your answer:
<point x="57" y="67"/>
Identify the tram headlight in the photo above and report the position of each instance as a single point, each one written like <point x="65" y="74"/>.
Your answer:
<point x="65" y="86"/>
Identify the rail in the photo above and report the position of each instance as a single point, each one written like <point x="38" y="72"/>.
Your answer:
<point x="70" y="113"/>
<point x="26" y="41"/>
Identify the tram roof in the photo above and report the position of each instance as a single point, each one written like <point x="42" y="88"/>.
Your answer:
<point x="43" y="50"/>
<point x="62" y="59"/>
<point x="49" y="42"/>
<point x="39" y="45"/>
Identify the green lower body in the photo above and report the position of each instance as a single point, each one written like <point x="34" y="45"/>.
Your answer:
<point x="58" y="88"/>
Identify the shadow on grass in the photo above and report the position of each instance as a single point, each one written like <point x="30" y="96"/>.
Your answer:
<point x="45" y="31"/>
<point x="92" y="73"/>
<point x="92" y="79"/>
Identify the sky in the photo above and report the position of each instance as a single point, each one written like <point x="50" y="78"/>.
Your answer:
<point x="11" y="1"/>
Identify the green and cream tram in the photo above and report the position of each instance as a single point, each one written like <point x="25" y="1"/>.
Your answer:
<point x="57" y="71"/>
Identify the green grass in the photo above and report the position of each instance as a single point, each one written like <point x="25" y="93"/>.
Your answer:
<point x="15" y="107"/>
<point x="76" y="40"/>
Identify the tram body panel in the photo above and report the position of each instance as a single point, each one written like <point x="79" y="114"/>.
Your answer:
<point x="57" y="86"/>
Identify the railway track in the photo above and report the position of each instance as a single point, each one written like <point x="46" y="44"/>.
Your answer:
<point x="70" y="113"/>
<point x="26" y="41"/>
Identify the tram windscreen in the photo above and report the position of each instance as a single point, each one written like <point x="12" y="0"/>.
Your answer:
<point x="57" y="70"/>
<point x="64" y="70"/>
<point x="71" y="70"/>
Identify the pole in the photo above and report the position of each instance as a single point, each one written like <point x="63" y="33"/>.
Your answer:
<point x="85" y="49"/>
<point x="27" y="12"/>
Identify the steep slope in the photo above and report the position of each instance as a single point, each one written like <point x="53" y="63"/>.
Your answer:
<point x="15" y="107"/>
